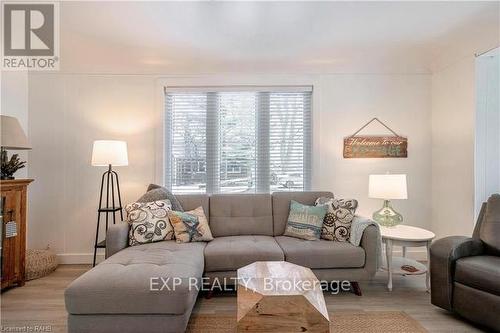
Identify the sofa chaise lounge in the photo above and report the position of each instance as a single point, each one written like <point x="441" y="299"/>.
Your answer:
<point x="117" y="294"/>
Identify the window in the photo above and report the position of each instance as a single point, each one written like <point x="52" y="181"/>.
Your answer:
<point x="235" y="140"/>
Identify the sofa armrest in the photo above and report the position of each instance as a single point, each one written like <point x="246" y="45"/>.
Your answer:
<point x="443" y="255"/>
<point x="369" y="242"/>
<point x="116" y="238"/>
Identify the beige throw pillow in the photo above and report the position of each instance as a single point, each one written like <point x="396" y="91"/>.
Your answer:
<point x="190" y="226"/>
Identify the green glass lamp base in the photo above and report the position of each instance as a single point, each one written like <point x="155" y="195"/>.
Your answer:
<point x="387" y="216"/>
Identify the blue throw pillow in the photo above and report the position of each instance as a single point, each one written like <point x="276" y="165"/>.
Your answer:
<point x="305" y="221"/>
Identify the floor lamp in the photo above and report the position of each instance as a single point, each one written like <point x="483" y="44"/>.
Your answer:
<point x="108" y="153"/>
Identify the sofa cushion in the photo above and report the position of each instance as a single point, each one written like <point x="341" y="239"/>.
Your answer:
<point x="321" y="253"/>
<point x="281" y="206"/>
<point x="193" y="201"/>
<point x="122" y="283"/>
<point x="233" y="252"/>
<point x="479" y="272"/>
<point x="241" y="214"/>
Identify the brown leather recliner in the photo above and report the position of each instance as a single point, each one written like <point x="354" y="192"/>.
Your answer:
<point x="465" y="272"/>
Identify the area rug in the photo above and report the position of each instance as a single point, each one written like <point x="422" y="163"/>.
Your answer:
<point x="356" y="322"/>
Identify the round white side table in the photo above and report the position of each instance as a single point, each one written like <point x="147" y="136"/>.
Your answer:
<point x="405" y="236"/>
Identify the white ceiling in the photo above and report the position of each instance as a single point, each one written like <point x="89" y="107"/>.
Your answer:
<point x="207" y="37"/>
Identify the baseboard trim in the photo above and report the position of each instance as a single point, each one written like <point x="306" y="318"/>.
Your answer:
<point x="86" y="258"/>
<point x="78" y="258"/>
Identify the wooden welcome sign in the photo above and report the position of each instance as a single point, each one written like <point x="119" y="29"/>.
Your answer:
<point x="375" y="146"/>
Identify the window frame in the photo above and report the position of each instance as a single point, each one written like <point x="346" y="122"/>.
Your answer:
<point x="239" y="82"/>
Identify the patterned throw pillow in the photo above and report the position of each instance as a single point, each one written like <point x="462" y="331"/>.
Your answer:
<point x="149" y="222"/>
<point x="338" y="219"/>
<point x="190" y="226"/>
<point x="305" y="221"/>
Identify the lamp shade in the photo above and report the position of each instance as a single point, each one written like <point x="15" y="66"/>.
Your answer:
<point x="109" y="152"/>
<point x="13" y="136"/>
<point x="387" y="187"/>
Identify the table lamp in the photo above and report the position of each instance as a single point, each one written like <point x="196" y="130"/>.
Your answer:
<point x="12" y="137"/>
<point x="387" y="187"/>
<point x="108" y="153"/>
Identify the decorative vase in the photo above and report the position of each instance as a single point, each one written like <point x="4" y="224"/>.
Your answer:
<point x="387" y="216"/>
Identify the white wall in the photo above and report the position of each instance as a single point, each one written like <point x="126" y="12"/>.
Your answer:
<point x="67" y="112"/>
<point x="14" y="102"/>
<point x="453" y="149"/>
<point x="403" y="103"/>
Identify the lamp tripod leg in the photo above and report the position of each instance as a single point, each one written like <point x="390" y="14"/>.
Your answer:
<point x="119" y="195"/>
<point x="96" y="238"/>
<point x="98" y="219"/>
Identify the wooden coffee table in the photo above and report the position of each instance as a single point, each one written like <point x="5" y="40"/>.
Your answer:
<point x="278" y="296"/>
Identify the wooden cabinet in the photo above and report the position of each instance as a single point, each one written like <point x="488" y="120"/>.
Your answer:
<point x="14" y="197"/>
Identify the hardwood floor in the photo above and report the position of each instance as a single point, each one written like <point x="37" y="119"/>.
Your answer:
<point x="41" y="303"/>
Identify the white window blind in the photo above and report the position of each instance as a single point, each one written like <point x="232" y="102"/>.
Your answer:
<point x="229" y="140"/>
<point x="186" y="144"/>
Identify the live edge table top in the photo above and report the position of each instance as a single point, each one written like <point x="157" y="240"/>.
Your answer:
<point x="279" y="278"/>
<point x="271" y="278"/>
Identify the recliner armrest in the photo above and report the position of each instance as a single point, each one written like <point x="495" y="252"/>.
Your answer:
<point x="116" y="238"/>
<point x="443" y="255"/>
<point x="369" y="242"/>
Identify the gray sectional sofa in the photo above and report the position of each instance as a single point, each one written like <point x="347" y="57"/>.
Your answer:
<point x="116" y="295"/>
